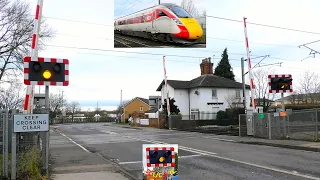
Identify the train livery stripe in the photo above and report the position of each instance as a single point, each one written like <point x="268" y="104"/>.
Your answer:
<point x="184" y="33"/>
<point x="147" y="17"/>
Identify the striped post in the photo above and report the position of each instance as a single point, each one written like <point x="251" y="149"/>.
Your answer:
<point x="252" y="86"/>
<point x="166" y="85"/>
<point x="28" y="102"/>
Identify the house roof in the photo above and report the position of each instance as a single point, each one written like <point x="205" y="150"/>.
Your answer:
<point x="206" y="80"/>
<point x="146" y="101"/>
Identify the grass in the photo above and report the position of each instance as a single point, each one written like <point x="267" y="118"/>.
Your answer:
<point x="29" y="166"/>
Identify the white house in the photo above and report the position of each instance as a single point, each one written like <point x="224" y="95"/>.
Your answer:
<point x="207" y="93"/>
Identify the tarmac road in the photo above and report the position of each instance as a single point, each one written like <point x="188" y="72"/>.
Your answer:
<point x="200" y="156"/>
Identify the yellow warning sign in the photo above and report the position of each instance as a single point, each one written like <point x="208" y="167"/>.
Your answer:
<point x="283" y="113"/>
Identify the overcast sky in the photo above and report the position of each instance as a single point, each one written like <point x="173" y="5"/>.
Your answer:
<point x="125" y="7"/>
<point x="100" y="75"/>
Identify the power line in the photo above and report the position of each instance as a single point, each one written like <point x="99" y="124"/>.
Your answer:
<point x="128" y="7"/>
<point x="198" y="50"/>
<point x="222" y="39"/>
<point x="156" y="54"/>
<point x="265" y="25"/>
<point x="76" y="21"/>
<point x="280" y="45"/>
<point x="144" y="58"/>
<point x="108" y="50"/>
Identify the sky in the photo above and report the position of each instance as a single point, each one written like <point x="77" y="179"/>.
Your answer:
<point x="125" y="7"/>
<point x="98" y="72"/>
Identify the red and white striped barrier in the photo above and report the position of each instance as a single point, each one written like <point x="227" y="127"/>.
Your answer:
<point x="28" y="59"/>
<point x="253" y="95"/>
<point x="28" y="102"/>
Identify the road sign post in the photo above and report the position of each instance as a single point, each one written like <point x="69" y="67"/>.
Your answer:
<point x="43" y="72"/>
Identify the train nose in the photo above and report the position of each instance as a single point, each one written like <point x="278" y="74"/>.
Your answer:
<point x="193" y="27"/>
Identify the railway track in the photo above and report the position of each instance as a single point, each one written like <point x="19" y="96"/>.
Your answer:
<point x="124" y="41"/>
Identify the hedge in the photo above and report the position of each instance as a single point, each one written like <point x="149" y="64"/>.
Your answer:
<point x="299" y="106"/>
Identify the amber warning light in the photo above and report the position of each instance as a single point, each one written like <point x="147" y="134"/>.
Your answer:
<point x="47" y="74"/>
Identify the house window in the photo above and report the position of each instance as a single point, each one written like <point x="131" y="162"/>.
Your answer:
<point x="214" y="93"/>
<point x="141" y="108"/>
<point x="238" y="93"/>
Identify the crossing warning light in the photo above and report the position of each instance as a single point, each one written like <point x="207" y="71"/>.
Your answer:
<point x="46" y="71"/>
<point x="280" y="83"/>
<point x="47" y="74"/>
<point x="160" y="156"/>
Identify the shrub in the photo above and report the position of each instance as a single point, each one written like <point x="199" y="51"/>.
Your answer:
<point x="221" y="115"/>
<point x="30" y="165"/>
<point x="299" y="106"/>
<point x="233" y="113"/>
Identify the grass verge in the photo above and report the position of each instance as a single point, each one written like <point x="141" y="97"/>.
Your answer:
<point x="30" y="166"/>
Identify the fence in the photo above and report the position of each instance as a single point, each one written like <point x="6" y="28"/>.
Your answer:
<point x="298" y="125"/>
<point x="30" y="149"/>
<point x="198" y="119"/>
<point x="62" y="120"/>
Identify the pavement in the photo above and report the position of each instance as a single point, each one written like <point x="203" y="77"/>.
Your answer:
<point x="69" y="160"/>
<point x="106" y="149"/>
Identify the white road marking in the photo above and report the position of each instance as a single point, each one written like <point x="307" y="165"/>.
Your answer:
<point x="238" y="161"/>
<point x="219" y="139"/>
<point x="86" y="150"/>
<point x="198" y="151"/>
<point x="180" y="157"/>
<point x="108" y="132"/>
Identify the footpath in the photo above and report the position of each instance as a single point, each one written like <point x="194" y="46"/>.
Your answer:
<point x="290" y="144"/>
<point x="69" y="162"/>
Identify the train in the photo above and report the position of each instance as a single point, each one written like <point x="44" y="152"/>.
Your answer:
<point x="165" y="22"/>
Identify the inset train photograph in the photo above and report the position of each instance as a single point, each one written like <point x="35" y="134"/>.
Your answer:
<point x="174" y="23"/>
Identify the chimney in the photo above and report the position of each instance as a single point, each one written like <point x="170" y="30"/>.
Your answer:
<point x="206" y="66"/>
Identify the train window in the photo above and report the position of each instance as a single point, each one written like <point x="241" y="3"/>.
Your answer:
<point x="161" y="13"/>
<point x="181" y="13"/>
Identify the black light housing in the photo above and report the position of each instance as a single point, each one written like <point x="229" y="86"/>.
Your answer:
<point x="57" y="68"/>
<point x="36" y="67"/>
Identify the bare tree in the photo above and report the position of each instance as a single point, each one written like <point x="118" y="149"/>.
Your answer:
<point x="204" y="13"/>
<point x="189" y="6"/>
<point x="55" y="103"/>
<point x="73" y="107"/>
<point x="264" y="98"/>
<point x="12" y="97"/>
<point x="309" y="87"/>
<point x="233" y="101"/>
<point x="16" y="26"/>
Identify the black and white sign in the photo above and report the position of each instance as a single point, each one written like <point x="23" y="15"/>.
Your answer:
<point x="31" y="122"/>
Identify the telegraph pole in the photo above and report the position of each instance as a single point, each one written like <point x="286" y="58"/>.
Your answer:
<point x="120" y="106"/>
<point x="62" y="109"/>
<point x="158" y="1"/>
<point x="243" y="85"/>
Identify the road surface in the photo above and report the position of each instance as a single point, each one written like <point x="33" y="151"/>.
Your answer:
<point x="201" y="156"/>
